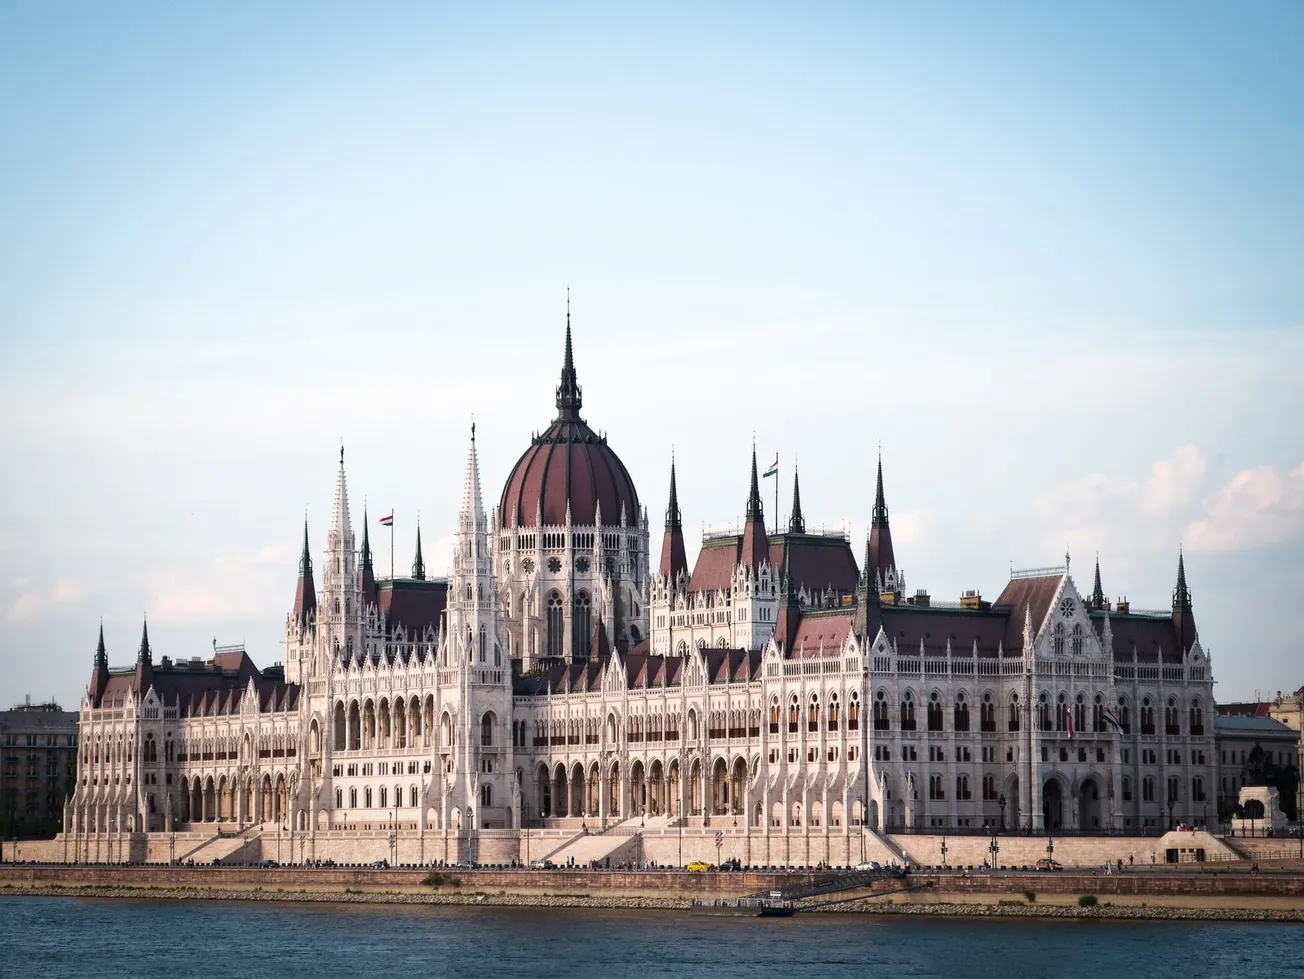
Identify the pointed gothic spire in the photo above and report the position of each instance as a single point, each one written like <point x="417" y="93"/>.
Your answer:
<point x="471" y="500"/>
<point x="340" y="516"/>
<point x="144" y="662"/>
<point x="1181" y="594"/>
<point x="100" y="675"/>
<point x="882" y="557"/>
<point x="305" y="557"/>
<point x="1097" y="593"/>
<point x="755" y="546"/>
<point x="145" y="656"/>
<point x="880" y="503"/>
<point x="1183" y="617"/>
<point x="754" y="495"/>
<point x="370" y="594"/>
<point x="785" y="626"/>
<point x="418" y="564"/>
<point x="673" y="516"/>
<point x="305" y="593"/>
<point x="569" y="399"/>
<point x="796" y="524"/>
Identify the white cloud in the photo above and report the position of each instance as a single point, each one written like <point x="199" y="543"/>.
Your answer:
<point x="1174" y="481"/>
<point x="1257" y="507"/>
<point x="229" y="586"/>
<point x="1177" y="502"/>
<point x="35" y="601"/>
<point x="1120" y="513"/>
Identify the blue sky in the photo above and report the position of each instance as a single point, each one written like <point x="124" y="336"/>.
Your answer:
<point x="1051" y="258"/>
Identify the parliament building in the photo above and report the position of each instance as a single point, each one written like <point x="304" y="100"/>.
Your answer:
<point x="560" y="695"/>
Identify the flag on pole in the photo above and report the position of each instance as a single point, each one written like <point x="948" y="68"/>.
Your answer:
<point x="1111" y="719"/>
<point x="773" y="470"/>
<point x="387" y="521"/>
<point x="1069" y="714"/>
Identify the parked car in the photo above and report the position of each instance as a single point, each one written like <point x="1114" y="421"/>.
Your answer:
<point x="733" y="863"/>
<point x="543" y="864"/>
<point x="698" y="867"/>
<point x="265" y="863"/>
<point x="869" y="865"/>
<point x="464" y="865"/>
<point x="1048" y="863"/>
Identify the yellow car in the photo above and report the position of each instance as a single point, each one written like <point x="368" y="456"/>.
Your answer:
<point x="698" y="867"/>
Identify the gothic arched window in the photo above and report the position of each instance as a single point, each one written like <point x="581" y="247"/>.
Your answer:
<point x="580" y="627"/>
<point x="556" y="625"/>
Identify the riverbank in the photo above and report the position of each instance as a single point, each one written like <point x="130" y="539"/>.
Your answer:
<point x="1246" y="909"/>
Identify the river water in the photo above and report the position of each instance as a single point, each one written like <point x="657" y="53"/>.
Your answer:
<point x="56" y="937"/>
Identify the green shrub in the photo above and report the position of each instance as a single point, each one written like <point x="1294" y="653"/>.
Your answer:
<point x="435" y="879"/>
<point x="1086" y="900"/>
<point x="1031" y="896"/>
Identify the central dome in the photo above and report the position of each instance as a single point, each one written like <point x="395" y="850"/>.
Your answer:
<point x="568" y="464"/>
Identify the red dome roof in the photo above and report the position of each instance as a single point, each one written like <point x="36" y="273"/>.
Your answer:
<point x="569" y="463"/>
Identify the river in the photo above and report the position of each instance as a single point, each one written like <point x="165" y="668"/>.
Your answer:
<point x="56" y="937"/>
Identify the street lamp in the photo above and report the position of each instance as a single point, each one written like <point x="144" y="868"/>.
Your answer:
<point x="525" y="825"/>
<point x="1050" y="848"/>
<point x="1001" y="803"/>
<point x="994" y="847"/>
<point x="393" y="838"/>
<point x="943" y="851"/>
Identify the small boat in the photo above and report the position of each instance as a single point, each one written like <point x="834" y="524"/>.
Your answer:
<point x="746" y="907"/>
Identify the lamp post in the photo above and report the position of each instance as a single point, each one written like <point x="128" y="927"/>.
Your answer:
<point x="525" y="825"/>
<point x="1001" y="803"/>
<point x="1050" y="848"/>
<point x="994" y="847"/>
<point x="943" y="851"/>
<point x="393" y="838"/>
<point x="680" y="823"/>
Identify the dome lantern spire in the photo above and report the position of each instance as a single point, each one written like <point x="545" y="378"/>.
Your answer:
<point x="569" y="399"/>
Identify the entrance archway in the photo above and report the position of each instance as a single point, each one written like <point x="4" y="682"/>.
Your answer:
<point x="1052" y="804"/>
<point x="1089" y="805"/>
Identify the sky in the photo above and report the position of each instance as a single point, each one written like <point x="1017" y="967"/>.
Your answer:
<point x="1048" y="257"/>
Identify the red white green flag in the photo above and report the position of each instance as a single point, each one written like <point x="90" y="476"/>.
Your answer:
<point x="387" y="521"/>
<point x="773" y="470"/>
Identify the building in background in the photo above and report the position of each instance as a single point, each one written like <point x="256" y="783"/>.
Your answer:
<point x="1290" y="711"/>
<point x="39" y="742"/>
<point x="1255" y="749"/>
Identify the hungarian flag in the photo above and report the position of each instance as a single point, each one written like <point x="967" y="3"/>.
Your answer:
<point x="773" y="470"/>
<point x="1111" y="719"/>
<point x="1069" y="717"/>
<point x="387" y="521"/>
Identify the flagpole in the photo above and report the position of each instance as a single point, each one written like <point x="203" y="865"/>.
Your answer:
<point x="391" y="546"/>
<point x="776" y="492"/>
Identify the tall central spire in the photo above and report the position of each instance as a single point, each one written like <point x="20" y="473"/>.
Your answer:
<point x="569" y="399"/>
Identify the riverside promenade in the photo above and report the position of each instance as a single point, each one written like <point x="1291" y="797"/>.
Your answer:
<point x="1214" y="891"/>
